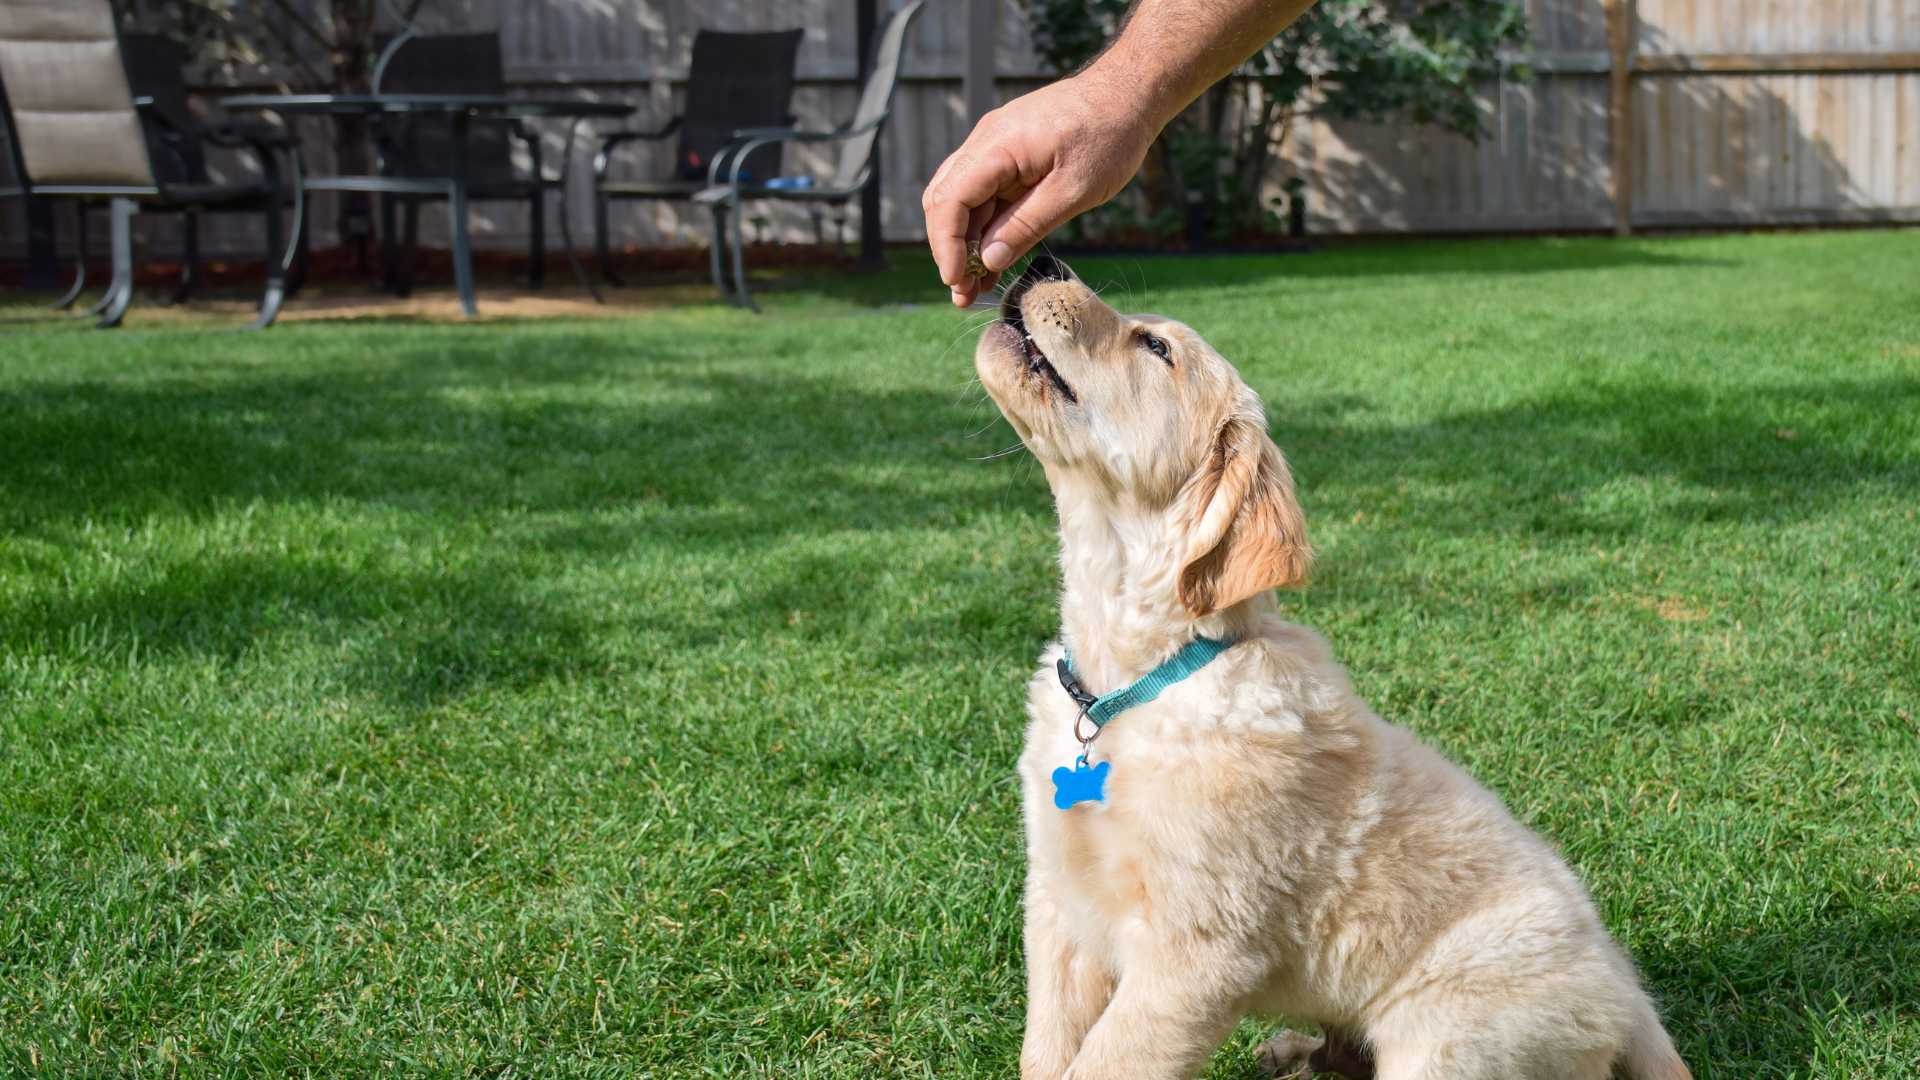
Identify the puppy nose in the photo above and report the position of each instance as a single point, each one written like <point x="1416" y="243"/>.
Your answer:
<point x="1047" y="268"/>
<point x="1040" y="268"/>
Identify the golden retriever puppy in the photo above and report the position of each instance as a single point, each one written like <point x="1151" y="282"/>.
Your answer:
<point x="1242" y="835"/>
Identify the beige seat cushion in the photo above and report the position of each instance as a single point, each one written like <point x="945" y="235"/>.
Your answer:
<point x="73" y="115"/>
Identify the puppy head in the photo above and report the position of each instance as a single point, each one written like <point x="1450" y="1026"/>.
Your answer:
<point x="1142" y="412"/>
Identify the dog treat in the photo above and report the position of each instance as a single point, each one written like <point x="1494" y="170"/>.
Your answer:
<point x="975" y="265"/>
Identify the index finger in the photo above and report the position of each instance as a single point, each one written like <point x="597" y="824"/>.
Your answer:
<point x="965" y="181"/>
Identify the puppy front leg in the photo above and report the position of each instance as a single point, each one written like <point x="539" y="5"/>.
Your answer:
<point x="1165" y="1019"/>
<point x="1065" y="991"/>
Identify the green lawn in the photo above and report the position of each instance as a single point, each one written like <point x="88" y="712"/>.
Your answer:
<point x="640" y="696"/>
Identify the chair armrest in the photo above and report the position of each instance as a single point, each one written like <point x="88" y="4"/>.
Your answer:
<point x="166" y="137"/>
<point x="262" y="141"/>
<point x="250" y="133"/>
<point x="230" y="134"/>
<point x="149" y="110"/>
<point x="612" y="140"/>
<point x="787" y="131"/>
<point x="535" y="158"/>
<point x="616" y="137"/>
<point x="751" y="139"/>
<point x="769" y="131"/>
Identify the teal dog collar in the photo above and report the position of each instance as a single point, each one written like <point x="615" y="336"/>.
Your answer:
<point x="1088" y="784"/>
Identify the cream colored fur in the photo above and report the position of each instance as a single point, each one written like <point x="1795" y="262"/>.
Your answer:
<point x="1267" y="844"/>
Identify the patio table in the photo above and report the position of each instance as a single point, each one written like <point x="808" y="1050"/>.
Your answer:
<point x="460" y="110"/>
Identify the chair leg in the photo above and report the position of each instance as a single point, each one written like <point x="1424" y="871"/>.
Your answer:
<point x="408" y="258"/>
<point x="74" y="290"/>
<point x="278" y="256"/>
<point x="457" y="215"/>
<point x="106" y="298"/>
<point x="302" y="254"/>
<point x="573" y="255"/>
<point x="120" y="293"/>
<point x="389" y="245"/>
<point x="602" y="246"/>
<point x="462" y="249"/>
<point x="740" y="290"/>
<point x="79" y="258"/>
<point x="716" y="252"/>
<point x="537" y="247"/>
<point x="189" y="257"/>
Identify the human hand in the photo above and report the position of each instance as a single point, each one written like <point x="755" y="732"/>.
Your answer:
<point x="1029" y="167"/>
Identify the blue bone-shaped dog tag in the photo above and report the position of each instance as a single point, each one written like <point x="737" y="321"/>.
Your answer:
<point x="1080" y="783"/>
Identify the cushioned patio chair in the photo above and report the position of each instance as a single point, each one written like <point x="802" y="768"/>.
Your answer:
<point x="733" y="179"/>
<point x="12" y="186"/>
<point x="734" y="81"/>
<point x="80" y="133"/>
<point x="419" y="146"/>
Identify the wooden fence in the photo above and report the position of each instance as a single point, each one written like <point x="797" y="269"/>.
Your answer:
<point x="1660" y="113"/>
<point x="1641" y="113"/>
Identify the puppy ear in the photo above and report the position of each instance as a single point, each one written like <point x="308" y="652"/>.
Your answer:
<point x="1244" y="533"/>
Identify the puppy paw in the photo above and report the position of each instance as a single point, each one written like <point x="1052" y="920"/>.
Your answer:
<point x="1287" y="1056"/>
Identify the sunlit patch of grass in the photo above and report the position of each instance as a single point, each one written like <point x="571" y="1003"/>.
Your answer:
<point x="639" y="696"/>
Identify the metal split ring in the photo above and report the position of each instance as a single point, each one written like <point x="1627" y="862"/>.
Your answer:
<point x="1085" y="740"/>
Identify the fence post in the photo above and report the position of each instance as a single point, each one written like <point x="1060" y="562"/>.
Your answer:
<point x="1621" y="16"/>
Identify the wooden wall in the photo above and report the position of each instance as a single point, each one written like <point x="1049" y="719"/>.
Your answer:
<point x="1743" y="111"/>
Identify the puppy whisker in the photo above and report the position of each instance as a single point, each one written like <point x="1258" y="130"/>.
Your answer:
<point x="1014" y="449"/>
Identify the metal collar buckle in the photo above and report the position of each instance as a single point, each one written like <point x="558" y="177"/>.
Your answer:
<point x="1078" y="692"/>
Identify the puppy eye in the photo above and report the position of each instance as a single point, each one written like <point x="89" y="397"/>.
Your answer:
<point x="1156" y="346"/>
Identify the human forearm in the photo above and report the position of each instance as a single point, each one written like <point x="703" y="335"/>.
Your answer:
<point x="1169" y="51"/>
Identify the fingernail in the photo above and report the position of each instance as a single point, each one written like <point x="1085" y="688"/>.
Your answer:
<point x="998" y="256"/>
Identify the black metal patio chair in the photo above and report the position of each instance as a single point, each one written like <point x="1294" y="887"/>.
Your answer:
<point x="732" y="179"/>
<point x="734" y="81"/>
<point x="157" y="72"/>
<point x="414" y="146"/>
<point x="80" y="133"/>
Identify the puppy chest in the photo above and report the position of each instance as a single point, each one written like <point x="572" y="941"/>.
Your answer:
<point x="1092" y="856"/>
<point x="1095" y="865"/>
<point x="1105" y="859"/>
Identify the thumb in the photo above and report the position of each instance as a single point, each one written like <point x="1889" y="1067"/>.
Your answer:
<point x="1028" y="218"/>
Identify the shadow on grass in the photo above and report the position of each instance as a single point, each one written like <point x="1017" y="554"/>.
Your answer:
<point x="575" y="446"/>
<point x="912" y="279"/>
<point x="1761" y="998"/>
<point x="1769" y="453"/>
<point x="414" y="638"/>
